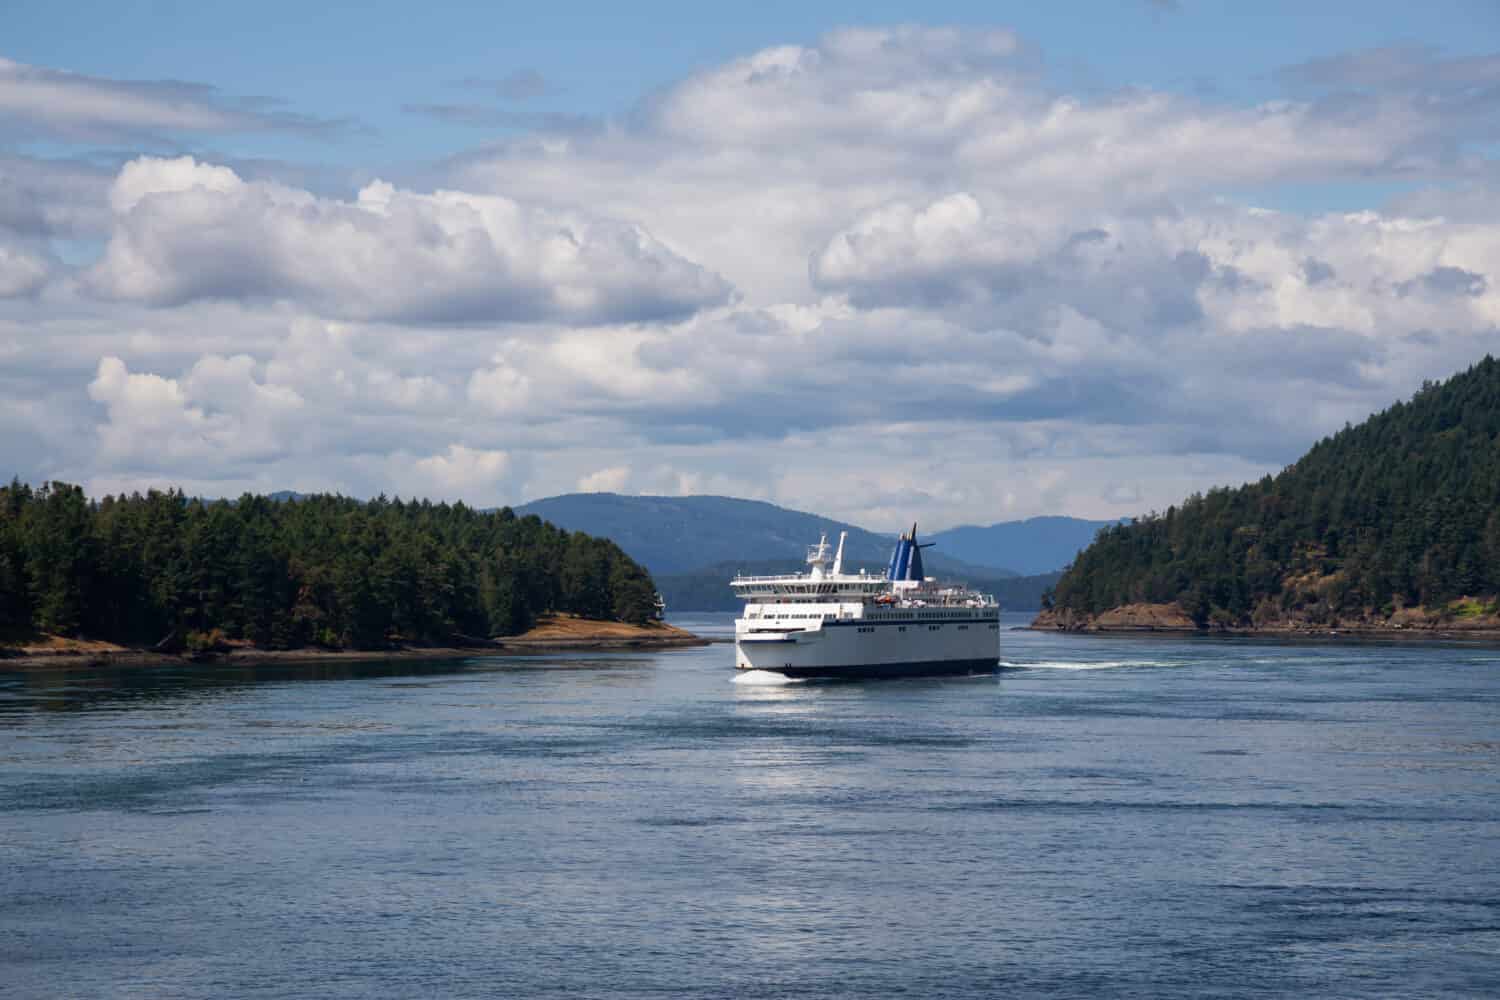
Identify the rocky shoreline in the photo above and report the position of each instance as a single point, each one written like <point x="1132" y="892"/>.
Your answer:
<point x="1408" y="623"/>
<point x="552" y="634"/>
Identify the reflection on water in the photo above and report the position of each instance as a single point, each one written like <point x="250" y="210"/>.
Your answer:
<point x="74" y="689"/>
<point x="1130" y="816"/>
<point x="84" y="688"/>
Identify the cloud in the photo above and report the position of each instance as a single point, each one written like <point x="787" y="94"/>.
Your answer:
<point x="879" y="117"/>
<point x="611" y="480"/>
<point x="1443" y="281"/>
<point x="42" y="200"/>
<point x="38" y="102"/>
<point x="482" y="116"/>
<point x="1221" y="269"/>
<point x="52" y="197"/>
<point x="1403" y="67"/>
<point x="24" y="267"/>
<point x="219" y="411"/>
<point x="185" y="231"/>
<point x="1451" y="105"/>
<point x="522" y="85"/>
<point x="948" y="290"/>
<point x="462" y="471"/>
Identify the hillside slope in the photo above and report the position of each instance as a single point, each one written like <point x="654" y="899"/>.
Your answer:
<point x="679" y="534"/>
<point x="1395" y="522"/>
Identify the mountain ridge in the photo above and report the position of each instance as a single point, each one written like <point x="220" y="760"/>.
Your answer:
<point x="1031" y="546"/>
<point x="678" y="536"/>
<point x="720" y="529"/>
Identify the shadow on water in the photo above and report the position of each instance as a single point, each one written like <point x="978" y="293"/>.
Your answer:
<point x="102" y="687"/>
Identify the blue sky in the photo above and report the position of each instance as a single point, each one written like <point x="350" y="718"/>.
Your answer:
<point x="366" y="61"/>
<point x="1102" y="255"/>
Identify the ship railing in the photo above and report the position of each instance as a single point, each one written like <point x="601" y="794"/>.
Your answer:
<point x="850" y="578"/>
<point x="968" y="599"/>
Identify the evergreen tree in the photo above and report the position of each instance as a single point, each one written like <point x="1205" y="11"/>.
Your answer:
<point x="1400" y="510"/>
<point x="162" y="568"/>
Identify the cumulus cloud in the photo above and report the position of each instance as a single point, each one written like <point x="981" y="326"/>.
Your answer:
<point x="956" y="293"/>
<point x="462" y="471"/>
<point x="872" y="117"/>
<point x="185" y="230"/>
<point x="1221" y="270"/>
<point x="219" y="411"/>
<point x="36" y="101"/>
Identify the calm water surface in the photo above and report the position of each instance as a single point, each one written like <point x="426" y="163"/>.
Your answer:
<point x="1116" y="817"/>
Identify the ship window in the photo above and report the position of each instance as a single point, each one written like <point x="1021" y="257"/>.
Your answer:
<point x="900" y="628"/>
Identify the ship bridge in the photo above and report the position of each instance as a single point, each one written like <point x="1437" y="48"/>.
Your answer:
<point x="825" y="582"/>
<point x="825" y="579"/>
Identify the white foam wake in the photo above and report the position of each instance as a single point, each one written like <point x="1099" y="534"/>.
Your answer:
<point x="1082" y="664"/>
<point x="764" y="678"/>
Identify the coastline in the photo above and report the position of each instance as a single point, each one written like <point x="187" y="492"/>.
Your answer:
<point x="552" y="634"/>
<point x="1170" y="620"/>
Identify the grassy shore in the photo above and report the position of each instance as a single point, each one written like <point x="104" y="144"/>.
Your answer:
<point x="551" y="633"/>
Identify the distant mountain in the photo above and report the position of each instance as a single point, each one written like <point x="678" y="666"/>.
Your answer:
<point x="1033" y="546"/>
<point x="680" y="534"/>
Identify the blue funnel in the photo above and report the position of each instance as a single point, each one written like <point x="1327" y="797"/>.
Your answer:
<point x="906" y="559"/>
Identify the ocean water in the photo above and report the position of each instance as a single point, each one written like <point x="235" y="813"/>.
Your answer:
<point x="1129" y="817"/>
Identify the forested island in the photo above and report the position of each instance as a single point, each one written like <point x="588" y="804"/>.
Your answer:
<point x="1390" y="525"/>
<point x="173" y="573"/>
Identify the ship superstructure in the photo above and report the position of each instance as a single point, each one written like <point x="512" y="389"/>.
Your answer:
<point x="829" y="623"/>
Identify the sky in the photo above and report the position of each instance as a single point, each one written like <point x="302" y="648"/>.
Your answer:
<point x="950" y="262"/>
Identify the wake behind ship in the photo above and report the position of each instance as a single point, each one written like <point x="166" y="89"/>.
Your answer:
<point x="828" y="623"/>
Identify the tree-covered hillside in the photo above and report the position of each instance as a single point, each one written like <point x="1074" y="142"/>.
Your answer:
<point x="1403" y="510"/>
<point x="319" y="570"/>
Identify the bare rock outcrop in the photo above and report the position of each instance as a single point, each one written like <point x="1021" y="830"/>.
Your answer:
<point x="1127" y="618"/>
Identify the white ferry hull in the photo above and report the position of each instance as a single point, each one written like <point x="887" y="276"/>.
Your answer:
<point x="864" y="648"/>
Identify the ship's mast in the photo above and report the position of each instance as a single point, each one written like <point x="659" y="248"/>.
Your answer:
<point x="817" y="557"/>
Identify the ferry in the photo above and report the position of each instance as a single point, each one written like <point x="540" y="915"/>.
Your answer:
<point x="828" y="623"/>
